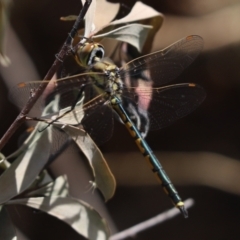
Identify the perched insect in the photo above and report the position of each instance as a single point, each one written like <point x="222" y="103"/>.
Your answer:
<point x="134" y="93"/>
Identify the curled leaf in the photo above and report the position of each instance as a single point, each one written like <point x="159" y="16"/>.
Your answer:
<point x="141" y="14"/>
<point x="59" y="187"/>
<point x="122" y="29"/>
<point x="4" y="164"/>
<point x="75" y="116"/>
<point x="89" y="18"/>
<point x="101" y="18"/>
<point x="4" y="13"/>
<point x="77" y="214"/>
<point x="104" y="178"/>
<point x="23" y="171"/>
<point x="134" y="34"/>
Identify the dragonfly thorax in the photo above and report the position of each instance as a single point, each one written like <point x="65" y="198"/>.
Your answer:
<point x="91" y="55"/>
<point x="112" y="84"/>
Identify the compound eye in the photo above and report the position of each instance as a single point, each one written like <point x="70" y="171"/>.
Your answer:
<point x="96" y="54"/>
<point x="89" y="53"/>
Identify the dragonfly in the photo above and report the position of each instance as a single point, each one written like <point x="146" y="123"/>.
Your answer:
<point x="134" y="93"/>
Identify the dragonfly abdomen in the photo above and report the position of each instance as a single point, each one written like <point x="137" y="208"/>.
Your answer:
<point x="148" y="154"/>
<point x="161" y="175"/>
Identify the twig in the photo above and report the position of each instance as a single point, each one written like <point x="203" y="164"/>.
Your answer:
<point x="167" y="215"/>
<point x="59" y="58"/>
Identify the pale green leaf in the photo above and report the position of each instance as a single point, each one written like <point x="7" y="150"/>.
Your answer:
<point x="103" y="19"/>
<point x="23" y="171"/>
<point x="89" y="18"/>
<point x="7" y="229"/>
<point x="42" y="179"/>
<point x="139" y="12"/>
<point x="134" y="34"/>
<point x="35" y="134"/>
<point x="79" y="215"/>
<point x="59" y="187"/>
<point x="104" y="179"/>
<point x="4" y="15"/>
<point x="73" y="117"/>
<point x="4" y="164"/>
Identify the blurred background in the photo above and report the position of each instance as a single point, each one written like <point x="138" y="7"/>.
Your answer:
<point x="200" y="152"/>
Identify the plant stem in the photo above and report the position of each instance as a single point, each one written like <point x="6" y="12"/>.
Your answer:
<point x="160" y="218"/>
<point x="34" y="97"/>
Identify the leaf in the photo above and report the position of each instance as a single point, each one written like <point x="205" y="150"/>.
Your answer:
<point x="52" y="107"/>
<point x="100" y="19"/>
<point x="4" y="164"/>
<point x="103" y="19"/>
<point x="43" y="179"/>
<point x="4" y="9"/>
<point x="89" y="18"/>
<point x="74" y="117"/>
<point x="7" y="229"/>
<point x="134" y="34"/>
<point x="104" y="178"/>
<point x="23" y="171"/>
<point x="59" y="187"/>
<point x="79" y="215"/>
<point x="141" y="14"/>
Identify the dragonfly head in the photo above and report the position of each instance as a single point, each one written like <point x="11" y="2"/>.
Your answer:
<point x="89" y="53"/>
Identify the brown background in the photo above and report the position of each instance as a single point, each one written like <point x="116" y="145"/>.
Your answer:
<point x="211" y="180"/>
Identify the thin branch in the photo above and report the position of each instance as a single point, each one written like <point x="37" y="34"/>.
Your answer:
<point x="59" y="58"/>
<point x="167" y="215"/>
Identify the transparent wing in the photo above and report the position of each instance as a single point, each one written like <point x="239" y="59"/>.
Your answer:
<point x="162" y="106"/>
<point x="21" y="93"/>
<point x="98" y="123"/>
<point x="95" y="116"/>
<point x="98" y="115"/>
<point x="165" y="65"/>
<point x="67" y="88"/>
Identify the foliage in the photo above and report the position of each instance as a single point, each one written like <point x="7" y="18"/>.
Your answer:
<point x="26" y="181"/>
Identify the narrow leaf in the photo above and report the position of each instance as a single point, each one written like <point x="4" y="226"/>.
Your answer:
<point x="104" y="178"/>
<point x="89" y="18"/>
<point x="134" y="34"/>
<point x="74" y="117"/>
<point x="35" y="134"/>
<point x="43" y="179"/>
<point x="103" y="19"/>
<point x="4" y="9"/>
<point x="139" y="12"/>
<point x="23" y="171"/>
<point x="59" y="187"/>
<point x="4" y="164"/>
<point x="79" y="215"/>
